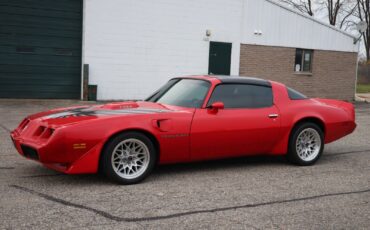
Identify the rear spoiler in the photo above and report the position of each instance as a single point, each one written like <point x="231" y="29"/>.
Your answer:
<point x="345" y="105"/>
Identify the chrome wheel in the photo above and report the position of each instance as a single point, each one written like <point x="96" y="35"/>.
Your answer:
<point x="308" y="144"/>
<point x="130" y="158"/>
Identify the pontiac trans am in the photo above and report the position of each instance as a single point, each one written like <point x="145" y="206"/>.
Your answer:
<point x="189" y="119"/>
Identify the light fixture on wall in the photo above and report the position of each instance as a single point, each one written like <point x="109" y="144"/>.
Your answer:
<point x="208" y="35"/>
<point x="258" y="32"/>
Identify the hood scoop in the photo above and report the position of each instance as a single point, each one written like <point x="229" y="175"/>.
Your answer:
<point x="120" y="105"/>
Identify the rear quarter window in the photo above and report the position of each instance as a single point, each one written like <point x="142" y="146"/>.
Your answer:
<point x="295" y="95"/>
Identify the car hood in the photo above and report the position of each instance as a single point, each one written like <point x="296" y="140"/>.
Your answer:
<point x="70" y="115"/>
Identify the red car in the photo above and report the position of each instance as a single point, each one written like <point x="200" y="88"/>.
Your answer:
<point x="188" y="119"/>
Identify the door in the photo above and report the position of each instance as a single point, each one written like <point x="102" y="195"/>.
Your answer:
<point x="40" y="49"/>
<point x="219" y="58"/>
<point x="249" y="124"/>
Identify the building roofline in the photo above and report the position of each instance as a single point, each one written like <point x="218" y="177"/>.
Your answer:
<point x="312" y="18"/>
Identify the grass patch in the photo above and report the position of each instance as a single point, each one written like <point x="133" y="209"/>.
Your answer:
<point x="362" y="88"/>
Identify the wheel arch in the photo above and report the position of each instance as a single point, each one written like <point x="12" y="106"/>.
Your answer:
<point x="142" y="131"/>
<point x="292" y="154"/>
<point x="311" y="119"/>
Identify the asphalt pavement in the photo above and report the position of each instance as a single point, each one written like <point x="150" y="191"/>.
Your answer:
<point x="245" y="193"/>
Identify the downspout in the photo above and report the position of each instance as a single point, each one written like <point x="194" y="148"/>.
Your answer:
<point x="357" y="61"/>
<point x="83" y="89"/>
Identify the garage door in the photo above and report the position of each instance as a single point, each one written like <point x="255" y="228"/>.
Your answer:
<point x="40" y="49"/>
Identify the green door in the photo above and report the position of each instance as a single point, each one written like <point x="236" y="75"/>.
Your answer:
<point x="219" y="58"/>
<point x="40" y="49"/>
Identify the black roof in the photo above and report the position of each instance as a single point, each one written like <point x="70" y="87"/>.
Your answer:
<point x="241" y="80"/>
<point x="226" y="79"/>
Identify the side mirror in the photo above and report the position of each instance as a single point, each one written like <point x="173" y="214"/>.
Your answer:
<point x="216" y="106"/>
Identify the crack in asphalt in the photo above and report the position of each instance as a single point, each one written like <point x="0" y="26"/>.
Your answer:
<point x="42" y="175"/>
<point x="5" y="128"/>
<point x="179" y="214"/>
<point x="68" y="203"/>
<point x="350" y="152"/>
<point x="7" y="168"/>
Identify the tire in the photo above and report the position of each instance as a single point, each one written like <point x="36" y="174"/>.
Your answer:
<point x="128" y="158"/>
<point x="306" y="144"/>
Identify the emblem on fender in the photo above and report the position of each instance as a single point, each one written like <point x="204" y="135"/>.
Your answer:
<point x="79" y="146"/>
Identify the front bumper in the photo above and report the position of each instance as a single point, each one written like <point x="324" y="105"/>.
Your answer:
<point x="54" y="151"/>
<point x="37" y="151"/>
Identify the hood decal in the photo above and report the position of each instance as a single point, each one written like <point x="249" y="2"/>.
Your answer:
<point x="91" y="111"/>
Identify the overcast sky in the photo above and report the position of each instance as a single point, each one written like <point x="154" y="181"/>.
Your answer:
<point x="322" y="15"/>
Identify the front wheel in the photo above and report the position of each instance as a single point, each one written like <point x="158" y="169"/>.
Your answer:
<point x="129" y="158"/>
<point x="306" y="144"/>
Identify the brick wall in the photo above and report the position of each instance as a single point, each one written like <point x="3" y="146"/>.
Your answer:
<point x="333" y="73"/>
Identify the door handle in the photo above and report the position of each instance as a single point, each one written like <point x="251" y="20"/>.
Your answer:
<point x="273" y="115"/>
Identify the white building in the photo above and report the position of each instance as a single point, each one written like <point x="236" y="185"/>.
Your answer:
<point x="133" y="47"/>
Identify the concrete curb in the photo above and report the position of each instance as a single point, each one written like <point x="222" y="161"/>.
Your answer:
<point x="363" y="97"/>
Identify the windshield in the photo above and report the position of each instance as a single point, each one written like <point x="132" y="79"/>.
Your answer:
<point x="182" y="92"/>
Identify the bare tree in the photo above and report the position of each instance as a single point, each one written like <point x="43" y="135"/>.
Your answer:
<point x="338" y="11"/>
<point x="333" y="9"/>
<point x="363" y="13"/>
<point x="348" y="16"/>
<point x="304" y="6"/>
<point x="344" y="14"/>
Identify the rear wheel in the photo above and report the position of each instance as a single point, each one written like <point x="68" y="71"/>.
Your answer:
<point x="129" y="158"/>
<point x="306" y="144"/>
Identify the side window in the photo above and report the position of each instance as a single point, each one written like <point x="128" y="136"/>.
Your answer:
<point x="242" y="96"/>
